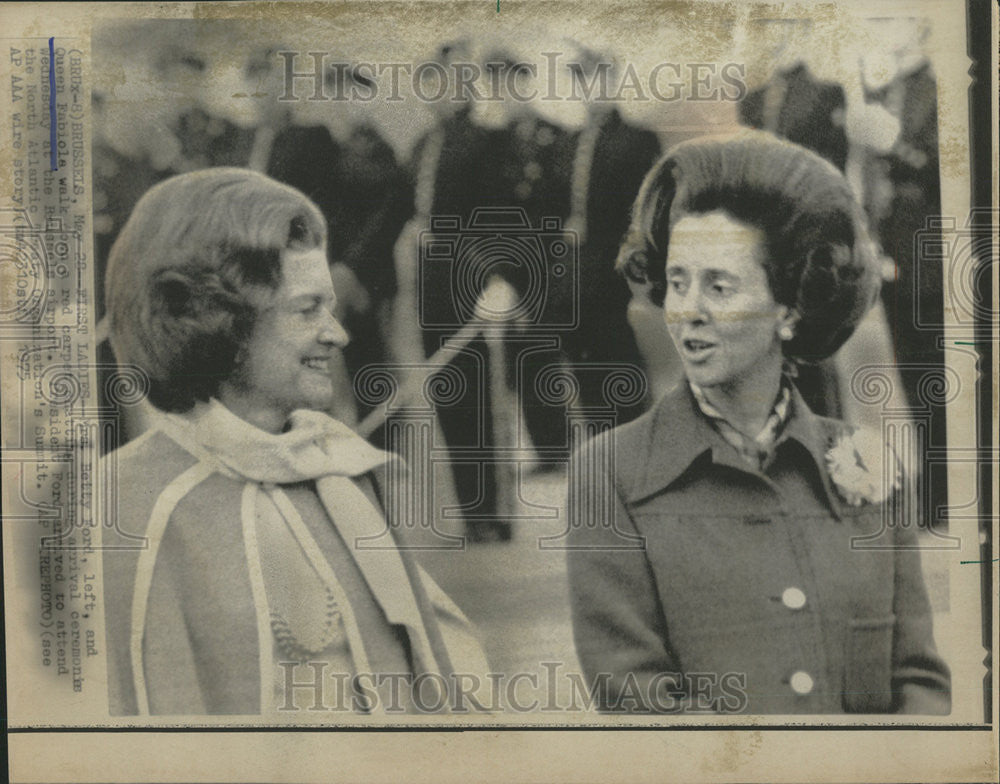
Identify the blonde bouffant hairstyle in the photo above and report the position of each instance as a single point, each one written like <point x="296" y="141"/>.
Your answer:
<point x="198" y="259"/>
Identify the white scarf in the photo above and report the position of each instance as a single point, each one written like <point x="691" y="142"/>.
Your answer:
<point x="315" y="446"/>
<point x="319" y="448"/>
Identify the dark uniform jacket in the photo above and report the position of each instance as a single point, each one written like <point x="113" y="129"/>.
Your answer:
<point x="447" y="177"/>
<point x="207" y="140"/>
<point x="362" y="191"/>
<point x="452" y="184"/>
<point x="715" y="587"/>
<point x="807" y="111"/>
<point x="622" y="155"/>
<point x="529" y="167"/>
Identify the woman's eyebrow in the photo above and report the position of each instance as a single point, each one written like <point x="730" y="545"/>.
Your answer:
<point x="715" y="273"/>
<point x="312" y="296"/>
<point x="303" y="297"/>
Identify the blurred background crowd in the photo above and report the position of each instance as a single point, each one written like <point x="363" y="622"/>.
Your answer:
<point x="408" y="126"/>
<point x="176" y="96"/>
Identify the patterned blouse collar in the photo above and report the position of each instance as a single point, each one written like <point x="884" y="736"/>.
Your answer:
<point x="756" y="451"/>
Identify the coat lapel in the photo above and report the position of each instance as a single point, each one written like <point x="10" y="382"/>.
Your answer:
<point x="678" y="434"/>
<point x="364" y="530"/>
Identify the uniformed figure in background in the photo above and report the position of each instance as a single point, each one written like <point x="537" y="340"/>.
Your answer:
<point x="797" y="106"/>
<point x="610" y="159"/>
<point x="446" y="173"/>
<point x="911" y="170"/>
<point x="906" y="221"/>
<point x="528" y="169"/>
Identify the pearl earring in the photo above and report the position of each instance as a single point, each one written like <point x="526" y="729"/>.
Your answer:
<point x="785" y="333"/>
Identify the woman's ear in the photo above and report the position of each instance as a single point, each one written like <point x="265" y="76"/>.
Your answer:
<point x="787" y="320"/>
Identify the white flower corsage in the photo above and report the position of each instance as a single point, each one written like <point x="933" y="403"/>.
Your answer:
<point x="863" y="468"/>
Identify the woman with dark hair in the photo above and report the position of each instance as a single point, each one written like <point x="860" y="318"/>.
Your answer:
<point x="251" y="535"/>
<point x="739" y="553"/>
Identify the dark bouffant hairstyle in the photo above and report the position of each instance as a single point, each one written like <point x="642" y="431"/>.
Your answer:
<point x="818" y="258"/>
<point x="198" y="259"/>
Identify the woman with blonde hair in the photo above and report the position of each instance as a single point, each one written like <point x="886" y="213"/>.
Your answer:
<point x="267" y="555"/>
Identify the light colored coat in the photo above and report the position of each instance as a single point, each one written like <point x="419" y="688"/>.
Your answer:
<point x="187" y="621"/>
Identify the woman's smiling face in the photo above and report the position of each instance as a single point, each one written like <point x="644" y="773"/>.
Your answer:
<point x="719" y="308"/>
<point x="286" y="363"/>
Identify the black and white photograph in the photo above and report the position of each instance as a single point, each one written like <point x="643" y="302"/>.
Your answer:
<point x="531" y="391"/>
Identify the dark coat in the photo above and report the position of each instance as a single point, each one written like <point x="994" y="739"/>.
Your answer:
<point x="914" y="300"/>
<point x="811" y="113"/>
<point x="452" y="187"/>
<point x="363" y="192"/>
<point x="375" y="202"/>
<point x="207" y="140"/>
<point x="529" y="166"/>
<point x="743" y="583"/>
<point x="529" y="169"/>
<point x="456" y="187"/>
<point x="622" y="156"/>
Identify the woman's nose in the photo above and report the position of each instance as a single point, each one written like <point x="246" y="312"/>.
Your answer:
<point x="333" y="333"/>
<point x="700" y="314"/>
<point x="689" y="307"/>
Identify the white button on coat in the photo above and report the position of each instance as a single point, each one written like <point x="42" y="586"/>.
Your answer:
<point x="801" y="682"/>
<point x="793" y="598"/>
